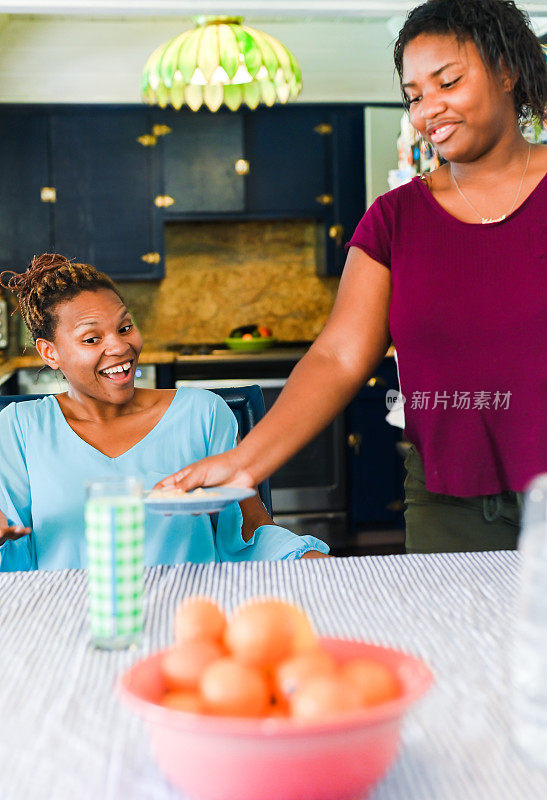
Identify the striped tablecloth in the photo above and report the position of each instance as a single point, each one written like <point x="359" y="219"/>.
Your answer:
<point x="63" y="733"/>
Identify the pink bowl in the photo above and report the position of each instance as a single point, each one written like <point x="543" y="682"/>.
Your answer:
<point x="228" y="758"/>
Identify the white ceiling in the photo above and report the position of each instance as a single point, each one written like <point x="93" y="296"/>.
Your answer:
<point x="359" y="8"/>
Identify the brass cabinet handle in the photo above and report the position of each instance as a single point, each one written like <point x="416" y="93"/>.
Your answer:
<point x="161" y="130"/>
<point x="395" y="505"/>
<point x="164" y="200"/>
<point x="377" y="380"/>
<point x="147" y="140"/>
<point x="242" y="166"/>
<point x="151" y="258"/>
<point x="325" y="199"/>
<point x="354" y="441"/>
<point x="323" y="129"/>
<point x="337" y="232"/>
<point x="48" y="194"/>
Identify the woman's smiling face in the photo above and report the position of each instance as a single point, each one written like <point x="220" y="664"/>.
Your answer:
<point x="456" y="102"/>
<point x="96" y="346"/>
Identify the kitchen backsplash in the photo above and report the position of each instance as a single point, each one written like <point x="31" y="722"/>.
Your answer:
<point x="219" y="275"/>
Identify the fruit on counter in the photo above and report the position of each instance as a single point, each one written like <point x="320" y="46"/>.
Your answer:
<point x="238" y="333"/>
<point x="264" y="661"/>
<point x="251" y="332"/>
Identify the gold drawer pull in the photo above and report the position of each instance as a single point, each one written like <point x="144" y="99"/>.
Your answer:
<point x="336" y="232"/>
<point x="48" y="194"/>
<point x="323" y="129"/>
<point x="242" y="166"/>
<point x="161" y="130"/>
<point x="376" y="381"/>
<point x="147" y="140"/>
<point x="354" y="441"/>
<point x="151" y="258"/>
<point x="325" y="199"/>
<point x="164" y="200"/>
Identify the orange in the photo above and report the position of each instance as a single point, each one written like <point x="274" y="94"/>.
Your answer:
<point x="199" y="618"/>
<point x="182" y="666"/>
<point x="324" y="696"/>
<point x="233" y="689"/>
<point x="374" y="682"/>
<point x="290" y="674"/>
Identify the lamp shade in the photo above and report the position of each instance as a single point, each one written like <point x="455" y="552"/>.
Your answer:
<point x="221" y="61"/>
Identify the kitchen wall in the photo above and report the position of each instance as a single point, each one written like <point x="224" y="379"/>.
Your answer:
<point x="219" y="275"/>
<point x="56" y="59"/>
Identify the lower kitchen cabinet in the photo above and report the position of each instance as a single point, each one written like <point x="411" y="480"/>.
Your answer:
<point x="375" y="468"/>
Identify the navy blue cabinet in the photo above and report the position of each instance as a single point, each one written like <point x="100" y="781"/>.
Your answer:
<point x="289" y="161"/>
<point x="97" y="183"/>
<point x="348" y="183"/>
<point x="375" y="468"/>
<point x="103" y="177"/>
<point x="198" y="153"/>
<point x="25" y="218"/>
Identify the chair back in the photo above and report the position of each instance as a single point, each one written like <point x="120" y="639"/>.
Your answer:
<point x="246" y="402"/>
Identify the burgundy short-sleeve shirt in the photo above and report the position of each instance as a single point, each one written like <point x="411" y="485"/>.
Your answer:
<point x="468" y="318"/>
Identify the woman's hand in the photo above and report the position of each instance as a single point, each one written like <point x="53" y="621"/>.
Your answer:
<point x="12" y="532"/>
<point x="212" y="471"/>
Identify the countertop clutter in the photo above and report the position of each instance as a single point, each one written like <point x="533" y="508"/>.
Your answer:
<point x="65" y="734"/>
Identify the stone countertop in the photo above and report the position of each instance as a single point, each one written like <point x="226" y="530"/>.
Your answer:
<point x="11" y="365"/>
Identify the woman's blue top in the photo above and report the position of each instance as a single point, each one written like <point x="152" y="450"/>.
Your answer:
<point x="45" y="465"/>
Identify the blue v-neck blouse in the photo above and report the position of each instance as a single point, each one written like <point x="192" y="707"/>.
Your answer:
<point x="45" y="465"/>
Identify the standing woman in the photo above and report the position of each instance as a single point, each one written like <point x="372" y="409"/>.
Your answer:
<point x="451" y="267"/>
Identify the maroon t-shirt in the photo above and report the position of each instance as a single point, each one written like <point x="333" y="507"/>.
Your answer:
<point x="468" y="317"/>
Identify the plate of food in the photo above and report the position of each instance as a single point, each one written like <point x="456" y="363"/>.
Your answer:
<point x="198" y="501"/>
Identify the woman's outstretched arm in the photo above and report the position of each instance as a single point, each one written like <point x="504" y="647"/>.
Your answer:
<point x="352" y="344"/>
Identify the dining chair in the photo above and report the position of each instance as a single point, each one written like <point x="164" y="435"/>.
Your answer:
<point x="246" y="403"/>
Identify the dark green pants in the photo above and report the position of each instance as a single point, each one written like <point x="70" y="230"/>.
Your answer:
<point x="441" y="523"/>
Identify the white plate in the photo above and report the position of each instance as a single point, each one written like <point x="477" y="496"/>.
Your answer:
<point x="208" y="501"/>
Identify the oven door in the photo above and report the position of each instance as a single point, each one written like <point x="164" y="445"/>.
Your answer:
<point x="314" y="480"/>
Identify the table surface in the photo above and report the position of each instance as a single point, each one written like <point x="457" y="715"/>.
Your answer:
<point x="64" y="734"/>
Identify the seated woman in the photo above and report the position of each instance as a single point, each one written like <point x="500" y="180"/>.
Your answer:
<point x="103" y="426"/>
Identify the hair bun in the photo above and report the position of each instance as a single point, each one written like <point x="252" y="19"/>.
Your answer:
<point x="22" y="283"/>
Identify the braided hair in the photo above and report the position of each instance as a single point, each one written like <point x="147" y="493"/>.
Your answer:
<point x="51" y="279"/>
<point x="502" y="33"/>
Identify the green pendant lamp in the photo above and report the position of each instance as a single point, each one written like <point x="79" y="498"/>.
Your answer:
<point x="221" y="61"/>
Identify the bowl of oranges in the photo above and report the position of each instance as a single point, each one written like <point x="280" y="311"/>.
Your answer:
<point x="257" y="706"/>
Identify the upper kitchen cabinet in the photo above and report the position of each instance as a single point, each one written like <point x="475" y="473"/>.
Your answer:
<point x="309" y="161"/>
<point x="348" y="183"/>
<point x="102" y="171"/>
<point x="288" y="150"/>
<point x="199" y="152"/>
<point x="25" y="207"/>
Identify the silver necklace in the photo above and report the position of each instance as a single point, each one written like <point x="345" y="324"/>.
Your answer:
<point x="487" y="220"/>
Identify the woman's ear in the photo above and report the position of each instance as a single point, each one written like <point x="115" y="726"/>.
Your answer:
<point x="48" y="353"/>
<point x="508" y="78"/>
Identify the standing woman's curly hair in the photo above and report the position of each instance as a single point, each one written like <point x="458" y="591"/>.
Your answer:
<point x="503" y="36"/>
<point x="51" y="279"/>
